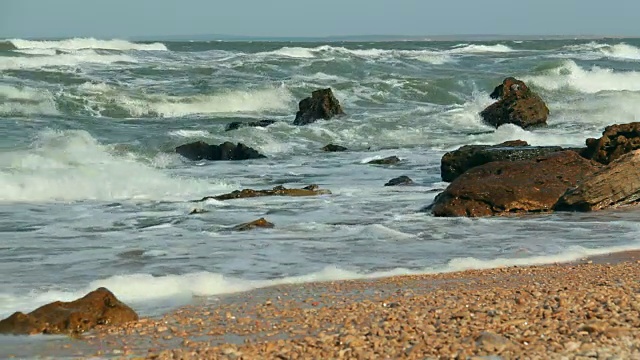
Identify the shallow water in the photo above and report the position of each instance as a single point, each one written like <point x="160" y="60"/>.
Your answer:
<point x="93" y="195"/>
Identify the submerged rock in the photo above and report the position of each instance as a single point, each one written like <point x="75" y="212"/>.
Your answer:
<point x="311" y="190"/>
<point x="321" y="105"/>
<point x="200" y="150"/>
<point x="391" y="160"/>
<point x="616" y="141"/>
<point x="516" y="104"/>
<point x="99" y="307"/>
<point x="334" y="148"/>
<point x="617" y="184"/>
<point x="513" y="187"/>
<point x="239" y="124"/>
<point x="455" y="163"/>
<point x="401" y="180"/>
<point x="260" y="223"/>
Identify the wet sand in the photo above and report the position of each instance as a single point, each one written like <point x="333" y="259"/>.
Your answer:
<point x="585" y="309"/>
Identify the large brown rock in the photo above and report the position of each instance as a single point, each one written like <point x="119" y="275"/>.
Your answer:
<point x="260" y="223"/>
<point x="617" y="184"/>
<point x="321" y="105"/>
<point x="200" y="150"/>
<point x="311" y="190"/>
<point x="513" y="187"/>
<point x="616" y="141"/>
<point x="99" y="307"/>
<point x="516" y="104"/>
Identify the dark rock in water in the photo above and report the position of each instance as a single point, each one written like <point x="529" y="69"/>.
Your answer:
<point x="401" y="180"/>
<point x="311" y="190"/>
<point x="321" y="105"/>
<point x="618" y="184"/>
<point x="391" y="160"/>
<point x="260" y="223"/>
<point x="238" y="124"/>
<point x="334" y="148"/>
<point x="99" y="307"/>
<point x="455" y="163"/>
<point x="514" y="187"/>
<point x="516" y="104"/>
<point x="198" y="211"/>
<point x="616" y="141"/>
<point x="226" y="151"/>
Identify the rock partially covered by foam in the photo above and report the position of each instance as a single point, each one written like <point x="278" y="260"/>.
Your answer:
<point x="239" y="124"/>
<point x="311" y="190"/>
<point x="616" y="140"/>
<point x="200" y="150"/>
<point x="516" y="104"/>
<point x="321" y="105"/>
<point x="99" y="307"/>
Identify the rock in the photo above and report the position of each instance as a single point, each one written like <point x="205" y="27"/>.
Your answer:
<point x="99" y="307"/>
<point x="321" y="105"/>
<point x="616" y="141"/>
<point x="238" y="124"/>
<point x="200" y="150"/>
<point x="260" y="223"/>
<point x="401" y="180"/>
<point x="617" y="184"/>
<point x="198" y="211"/>
<point x="513" y="187"/>
<point x="492" y="342"/>
<point x="311" y="190"/>
<point x="455" y="163"/>
<point x="391" y="160"/>
<point x="334" y="148"/>
<point x="516" y="104"/>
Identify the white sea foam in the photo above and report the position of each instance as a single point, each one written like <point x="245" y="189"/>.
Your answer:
<point x="37" y="51"/>
<point x="138" y="289"/>
<point x="571" y="75"/>
<point x="72" y="165"/>
<point x="26" y="101"/>
<point x="190" y="133"/>
<point x="63" y="60"/>
<point x="87" y="43"/>
<point x="622" y="51"/>
<point x="474" y="48"/>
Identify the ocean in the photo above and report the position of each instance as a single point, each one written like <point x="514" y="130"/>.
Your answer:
<point x="92" y="193"/>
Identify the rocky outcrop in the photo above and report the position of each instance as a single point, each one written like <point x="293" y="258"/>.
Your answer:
<point x="391" y="160"/>
<point x="334" y="148"/>
<point x="516" y="104"/>
<point x="321" y="105"/>
<point x="99" y="307"/>
<point x="616" y="141"/>
<point x="513" y="187"/>
<point x="239" y="124"/>
<point x="311" y="190"/>
<point x="260" y="223"/>
<point x="618" y="184"/>
<point x="399" y="181"/>
<point x="200" y="150"/>
<point x="455" y="163"/>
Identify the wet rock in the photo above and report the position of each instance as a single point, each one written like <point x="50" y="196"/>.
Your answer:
<point x="334" y="148"/>
<point x="617" y="184"/>
<point x="455" y="163"/>
<point x="311" y="190"/>
<point x="239" y="124"/>
<point x="513" y="187"/>
<point x="198" y="211"/>
<point x="99" y="307"/>
<point x="260" y="223"/>
<point x="401" y="180"/>
<point x="200" y="150"/>
<point x="516" y="104"/>
<point x="616" y="141"/>
<point x="391" y="160"/>
<point x="321" y="105"/>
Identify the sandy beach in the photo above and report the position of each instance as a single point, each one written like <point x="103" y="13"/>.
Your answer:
<point x="580" y="310"/>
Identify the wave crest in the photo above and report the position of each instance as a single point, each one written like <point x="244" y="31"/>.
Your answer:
<point x="87" y="43"/>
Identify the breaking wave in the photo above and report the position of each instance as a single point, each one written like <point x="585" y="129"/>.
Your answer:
<point x="63" y="60"/>
<point x="87" y="43"/>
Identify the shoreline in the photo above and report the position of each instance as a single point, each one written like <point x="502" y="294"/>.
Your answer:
<point x="545" y="311"/>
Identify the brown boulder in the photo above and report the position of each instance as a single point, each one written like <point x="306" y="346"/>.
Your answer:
<point x="99" y="307"/>
<point x="260" y="223"/>
<point x="616" y="141"/>
<point x="321" y="105"/>
<point x="334" y="148"/>
<point x="399" y="181"/>
<point x="391" y="160"/>
<point x="200" y="150"/>
<point x="513" y="187"/>
<point x="617" y="184"/>
<point x="516" y="104"/>
<point x="311" y="190"/>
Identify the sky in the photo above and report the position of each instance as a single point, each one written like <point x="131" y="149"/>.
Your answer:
<point x="304" y="18"/>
